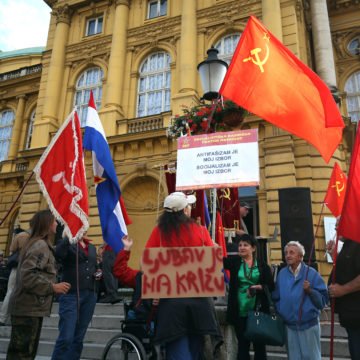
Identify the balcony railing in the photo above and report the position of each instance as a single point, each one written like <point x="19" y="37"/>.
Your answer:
<point x="145" y="124"/>
<point x="20" y="72"/>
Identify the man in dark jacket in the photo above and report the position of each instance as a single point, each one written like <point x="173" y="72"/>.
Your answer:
<point x="80" y="270"/>
<point x="346" y="290"/>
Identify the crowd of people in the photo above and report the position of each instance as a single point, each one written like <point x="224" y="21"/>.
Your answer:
<point x="299" y="292"/>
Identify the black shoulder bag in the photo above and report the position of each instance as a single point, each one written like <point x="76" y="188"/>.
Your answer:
<point x="263" y="328"/>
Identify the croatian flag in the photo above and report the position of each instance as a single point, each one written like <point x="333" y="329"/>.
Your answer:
<point x="111" y="210"/>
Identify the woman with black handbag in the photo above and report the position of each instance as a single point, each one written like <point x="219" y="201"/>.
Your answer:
<point x="248" y="277"/>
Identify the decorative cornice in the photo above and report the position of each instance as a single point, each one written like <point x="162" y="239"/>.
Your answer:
<point x="343" y="4"/>
<point x="94" y="47"/>
<point x="159" y="30"/>
<point x="122" y="2"/>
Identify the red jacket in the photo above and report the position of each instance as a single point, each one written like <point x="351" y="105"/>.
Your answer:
<point x="125" y="274"/>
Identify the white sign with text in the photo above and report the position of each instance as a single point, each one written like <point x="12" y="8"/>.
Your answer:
<point x="218" y="160"/>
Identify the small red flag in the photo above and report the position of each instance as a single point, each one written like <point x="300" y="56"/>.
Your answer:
<point x="60" y="173"/>
<point x="219" y="234"/>
<point x="349" y="222"/>
<point x="228" y="199"/>
<point x="267" y="79"/>
<point x="335" y="194"/>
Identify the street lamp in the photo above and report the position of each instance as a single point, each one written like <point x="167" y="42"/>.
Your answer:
<point x="212" y="72"/>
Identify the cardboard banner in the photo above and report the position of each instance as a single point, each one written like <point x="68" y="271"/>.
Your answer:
<point x="218" y="160"/>
<point x="179" y="272"/>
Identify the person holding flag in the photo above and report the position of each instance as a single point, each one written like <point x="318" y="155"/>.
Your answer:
<point x="345" y="287"/>
<point x="113" y="216"/>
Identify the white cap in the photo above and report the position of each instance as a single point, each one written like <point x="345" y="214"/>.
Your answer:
<point x="178" y="201"/>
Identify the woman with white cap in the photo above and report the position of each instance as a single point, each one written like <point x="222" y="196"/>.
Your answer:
<point x="182" y="323"/>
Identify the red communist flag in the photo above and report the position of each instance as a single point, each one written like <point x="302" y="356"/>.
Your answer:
<point x="267" y="79"/>
<point x="349" y="221"/>
<point x="60" y="173"/>
<point x="335" y="194"/>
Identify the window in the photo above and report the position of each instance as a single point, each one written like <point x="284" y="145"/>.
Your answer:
<point x="156" y="8"/>
<point x="6" y="125"/>
<point x="90" y="79"/>
<point x="94" y="26"/>
<point x="30" y="130"/>
<point x="227" y="46"/>
<point x="352" y="88"/>
<point x="354" y="46"/>
<point x="154" y="85"/>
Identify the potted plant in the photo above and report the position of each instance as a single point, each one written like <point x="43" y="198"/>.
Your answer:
<point x="198" y="120"/>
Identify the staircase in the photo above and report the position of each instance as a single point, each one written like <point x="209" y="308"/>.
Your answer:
<point x="106" y="323"/>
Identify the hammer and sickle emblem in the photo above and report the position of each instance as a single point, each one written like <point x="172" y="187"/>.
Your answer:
<point x="225" y="194"/>
<point x="339" y="186"/>
<point x="255" y="57"/>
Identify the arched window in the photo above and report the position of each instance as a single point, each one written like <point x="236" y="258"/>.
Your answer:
<point x="91" y="79"/>
<point x="30" y="130"/>
<point x="154" y="85"/>
<point x="352" y="88"/>
<point x="6" y="125"/>
<point x="227" y="46"/>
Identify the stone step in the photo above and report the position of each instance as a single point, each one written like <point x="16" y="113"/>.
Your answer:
<point x="106" y="323"/>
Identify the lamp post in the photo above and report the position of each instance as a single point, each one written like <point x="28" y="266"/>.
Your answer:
<point x="212" y="72"/>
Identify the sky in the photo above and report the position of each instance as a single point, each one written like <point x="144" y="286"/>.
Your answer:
<point x="23" y="24"/>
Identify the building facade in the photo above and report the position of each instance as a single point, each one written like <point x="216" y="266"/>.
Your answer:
<point x="140" y="59"/>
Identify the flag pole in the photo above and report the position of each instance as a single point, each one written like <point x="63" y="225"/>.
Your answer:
<point x="17" y="198"/>
<point x="309" y="261"/>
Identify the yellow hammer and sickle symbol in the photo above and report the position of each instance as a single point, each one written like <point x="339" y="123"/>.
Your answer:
<point x="225" y="193"/>
<point x="255" y="58"/>
<point x="338" y="187"/>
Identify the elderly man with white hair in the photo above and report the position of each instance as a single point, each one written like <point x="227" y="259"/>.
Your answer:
<point x="300" y="295"/>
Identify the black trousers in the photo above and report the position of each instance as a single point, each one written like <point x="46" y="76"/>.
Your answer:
<point x="25" y="336"/>
<point x="244" y="344"/>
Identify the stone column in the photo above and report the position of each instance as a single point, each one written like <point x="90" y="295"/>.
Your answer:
<point x="16" y="132"/>
<point x="49" y="121"/>
<point x="324" y="56"/>
<point x="187" y="59"/>
<point x="112" y="109"/>
<point x="271" y="17"/>
<point x="188" y="46"/>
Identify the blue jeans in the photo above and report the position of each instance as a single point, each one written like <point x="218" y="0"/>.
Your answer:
<point x="73" y="325"/>
<point x="303" y="344"/>
<point x="354" y="342"/>
<point x="187" y="347"/>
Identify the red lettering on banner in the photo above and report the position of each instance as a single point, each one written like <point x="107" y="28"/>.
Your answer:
<point x="163" y="281"/>
<point x="182" y="272"/>
<point x="179" y="283"/>
<point x="188" y="255"/>
<point x="177" y="257"/>
<point x="191" y="281"/>
<point x="147" y="285"/>
<point x="199" y="254"/>
<point x="219" y="283"/>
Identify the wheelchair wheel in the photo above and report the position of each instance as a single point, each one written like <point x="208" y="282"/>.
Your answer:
<point x="124" y="347"/>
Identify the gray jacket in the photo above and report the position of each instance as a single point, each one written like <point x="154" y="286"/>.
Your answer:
<point x="36" y="273"/>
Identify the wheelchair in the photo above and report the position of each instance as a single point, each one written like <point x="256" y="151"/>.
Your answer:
<point x="134" y="342"/>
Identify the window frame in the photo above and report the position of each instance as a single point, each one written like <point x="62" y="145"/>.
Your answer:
<point x="4" y="156"/>
<point x="219" y="45"/>
<point x="85" y="88"/>
<point x="354" y="78"/>
<point x="158" y="9"/>
<point x="30" y="130"/>
<point x="96" y="30"/>
<point x="166" y="70"/>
